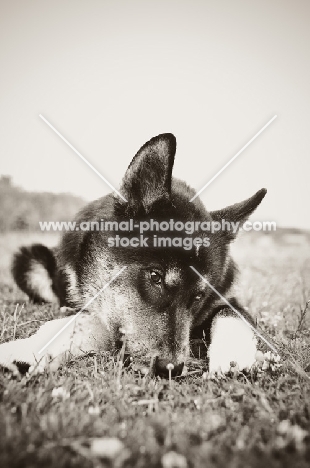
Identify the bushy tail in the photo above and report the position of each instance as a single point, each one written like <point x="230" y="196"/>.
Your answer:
<point x="34" y="270"/>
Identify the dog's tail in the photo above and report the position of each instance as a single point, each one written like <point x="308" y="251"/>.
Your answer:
<point x="34" y="270"/>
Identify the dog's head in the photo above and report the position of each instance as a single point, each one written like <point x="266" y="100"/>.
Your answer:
<point x="158" y="299"/>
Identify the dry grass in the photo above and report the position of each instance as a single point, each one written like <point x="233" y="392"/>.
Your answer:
<point x="254" y="420"/>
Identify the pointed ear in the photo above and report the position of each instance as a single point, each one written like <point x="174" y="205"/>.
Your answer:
<point x="239" y="212"/>
<point x="148" y="178"/>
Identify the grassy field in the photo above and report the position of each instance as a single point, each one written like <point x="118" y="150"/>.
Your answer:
<point x="66" y="418"/>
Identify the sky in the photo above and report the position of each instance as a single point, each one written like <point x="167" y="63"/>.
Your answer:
<point x="110" y="75"/>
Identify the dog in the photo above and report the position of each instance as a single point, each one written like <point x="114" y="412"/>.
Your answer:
<point x="158" y="303"/>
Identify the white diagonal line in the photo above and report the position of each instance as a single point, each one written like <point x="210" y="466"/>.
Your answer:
<point x="236" y="311"/>
<point x="83" y="308"/>
<point x="292" y="361"/>
<point x="82" y="157"/>
<point x="233" y="158"/>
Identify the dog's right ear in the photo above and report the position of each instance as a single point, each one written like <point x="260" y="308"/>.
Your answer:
<point x="147" y="180"/>
<point x="239" y="212"/>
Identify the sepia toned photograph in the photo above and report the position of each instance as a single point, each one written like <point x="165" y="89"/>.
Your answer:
<point x="154" y="234"/>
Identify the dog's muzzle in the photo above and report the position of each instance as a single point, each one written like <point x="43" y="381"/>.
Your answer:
<point x="161" y="368"/>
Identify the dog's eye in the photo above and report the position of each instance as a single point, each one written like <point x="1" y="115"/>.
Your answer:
<point x="155" y="277"/>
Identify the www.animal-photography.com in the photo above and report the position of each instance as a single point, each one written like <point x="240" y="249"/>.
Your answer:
<point x="154" y="234"/>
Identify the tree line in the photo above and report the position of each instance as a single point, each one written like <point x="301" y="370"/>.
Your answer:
<point x="22" y="210"/>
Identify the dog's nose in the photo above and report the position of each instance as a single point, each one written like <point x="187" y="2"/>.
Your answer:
<point x="162" y="368"/>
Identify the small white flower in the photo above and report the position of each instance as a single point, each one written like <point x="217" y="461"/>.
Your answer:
<point x="267" y="356"/>
<point x="290" y="433"/>
<point x="109" y="448"/>
<point x="94" y="410"/>
<point x="271" y="361"/>
<point x="61" y="393"/>
<point x="173" y="460"/>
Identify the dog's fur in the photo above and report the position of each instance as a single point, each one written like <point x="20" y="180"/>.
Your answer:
<point x="158" y="302"/>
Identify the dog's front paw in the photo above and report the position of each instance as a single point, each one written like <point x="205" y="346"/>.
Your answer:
<point x="233" y="345"/>
<point x="18" y="358"/>
<point x="50" y="346"/>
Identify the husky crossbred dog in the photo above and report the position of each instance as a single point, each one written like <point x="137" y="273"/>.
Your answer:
<point x="158" y="303"/>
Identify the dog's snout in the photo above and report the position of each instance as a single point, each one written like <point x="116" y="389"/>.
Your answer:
<point x="162" y="368"/>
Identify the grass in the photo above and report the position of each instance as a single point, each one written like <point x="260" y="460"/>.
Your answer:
<point x="255" y="420"/>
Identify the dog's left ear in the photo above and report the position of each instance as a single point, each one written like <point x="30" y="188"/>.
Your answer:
<point x="238" y="212"/>
<point x="147" y="180"/>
